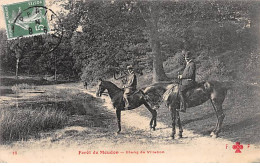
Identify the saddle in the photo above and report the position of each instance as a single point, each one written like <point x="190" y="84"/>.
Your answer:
<point x="175" y="89"/>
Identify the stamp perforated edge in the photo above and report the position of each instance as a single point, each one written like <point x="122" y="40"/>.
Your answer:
<point x="6" y="27"/>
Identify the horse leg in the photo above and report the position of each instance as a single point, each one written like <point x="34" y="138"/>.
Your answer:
<point x="220" y="116"/>
<point x="154" y="113"/>
<point x="179" y="124"/>
<point x="214" y="130"/>
<point x="153" y="122"/>
<point x="173" y="114"/>
<point x="118" y="115"/>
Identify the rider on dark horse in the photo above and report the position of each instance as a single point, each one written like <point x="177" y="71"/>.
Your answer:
<point x="130" y="87"/>
<point x="187" y="80"/>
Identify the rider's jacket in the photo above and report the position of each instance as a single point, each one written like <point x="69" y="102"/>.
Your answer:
<point x="131" y="81"/>
<point x="189" y="73"/>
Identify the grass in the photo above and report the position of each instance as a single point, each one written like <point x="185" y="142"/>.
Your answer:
<point x="23" y="86"/>
<point x="25" y="123"/>
<point x="54" y="109"/>
<point x="11" y="81"/>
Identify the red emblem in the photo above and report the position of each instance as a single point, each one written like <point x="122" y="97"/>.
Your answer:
<point x="237" y="147"/>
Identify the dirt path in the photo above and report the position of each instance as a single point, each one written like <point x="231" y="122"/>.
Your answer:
<point x="136" y="143"/>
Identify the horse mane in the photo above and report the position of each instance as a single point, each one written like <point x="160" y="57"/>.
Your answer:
<point x="112" y="85"/>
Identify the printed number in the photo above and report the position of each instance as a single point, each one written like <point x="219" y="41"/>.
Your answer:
<point x="13" y="28"/>
<point x="45" y="29"/>
<point x="30" y="31"/>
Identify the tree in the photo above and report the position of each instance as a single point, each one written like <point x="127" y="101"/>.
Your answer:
<point x="16" y="48"/>
<point x="111" y="38"/>
<point x="150" y="12"/>
<point x="7" y="61"/>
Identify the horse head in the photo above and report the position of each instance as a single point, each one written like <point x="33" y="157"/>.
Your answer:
<point x="101" y="87"/>
<point x="106" y="85"/>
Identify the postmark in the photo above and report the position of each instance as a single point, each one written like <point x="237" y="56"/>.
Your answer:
<point x="33" y="29"/>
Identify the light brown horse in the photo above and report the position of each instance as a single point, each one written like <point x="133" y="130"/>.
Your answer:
<point x="211" y="90"/>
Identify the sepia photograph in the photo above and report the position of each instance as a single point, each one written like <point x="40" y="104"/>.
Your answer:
<point x="129" y="81"/>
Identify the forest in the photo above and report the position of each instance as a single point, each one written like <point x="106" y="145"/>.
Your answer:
<point x="103" y="37"/>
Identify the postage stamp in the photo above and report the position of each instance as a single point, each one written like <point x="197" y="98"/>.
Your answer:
<point x="27" y="18"/>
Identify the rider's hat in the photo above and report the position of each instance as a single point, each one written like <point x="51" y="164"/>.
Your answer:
<point x="130" y="67"/>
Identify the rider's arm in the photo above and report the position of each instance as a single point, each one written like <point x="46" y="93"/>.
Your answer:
<point x="131" y="80"/>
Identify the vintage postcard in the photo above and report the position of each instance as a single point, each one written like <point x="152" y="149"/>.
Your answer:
<point x="129" y="81"/>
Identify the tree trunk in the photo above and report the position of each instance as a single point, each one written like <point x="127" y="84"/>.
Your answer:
<point x="158" y="71"/>
<point x="55" y="67"/>
<point x="18" y="55"/>
<point x="17" y="67"/>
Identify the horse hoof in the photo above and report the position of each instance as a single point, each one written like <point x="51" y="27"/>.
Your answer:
<point x="179" y="136"/>
<point x="153" y="128"/>
<point x="118" y="132"/>
<point x="172" y="136"/>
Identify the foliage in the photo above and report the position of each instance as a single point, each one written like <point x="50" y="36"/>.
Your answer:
<point x="20" y="87"/>
<point x="110" y="36"/>
<point x="7" y="62"/>
<point x="102" y="37"/>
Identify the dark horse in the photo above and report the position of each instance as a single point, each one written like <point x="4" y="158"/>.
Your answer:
<point x="211" y="90"/>
<point x="116" y="95"/>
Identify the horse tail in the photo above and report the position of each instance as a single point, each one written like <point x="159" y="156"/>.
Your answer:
<point x="171" y="95"/>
